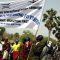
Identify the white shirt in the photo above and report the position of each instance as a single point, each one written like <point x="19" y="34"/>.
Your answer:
<point x="1" y="46"/>
<point x="37" y="43"/>
<point x="5" y="55"/>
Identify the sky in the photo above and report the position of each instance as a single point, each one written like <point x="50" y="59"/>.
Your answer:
<point x="55" y="4"/>
<point x="48" y="5"/>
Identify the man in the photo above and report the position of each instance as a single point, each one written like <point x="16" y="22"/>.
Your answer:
<point x="47" y="52"/>
<point x="36" y="49"/>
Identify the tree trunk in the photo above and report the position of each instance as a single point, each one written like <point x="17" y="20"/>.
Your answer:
<point x="49" y="35"/>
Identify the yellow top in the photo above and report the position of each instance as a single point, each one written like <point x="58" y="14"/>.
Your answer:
<point x="16" y="47"/>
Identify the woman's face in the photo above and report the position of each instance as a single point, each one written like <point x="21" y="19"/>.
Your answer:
<point x="27" y="43"/>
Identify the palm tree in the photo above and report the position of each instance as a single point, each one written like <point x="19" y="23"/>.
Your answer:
<point x="49" y="19"/>
<point x="56" y="31"/>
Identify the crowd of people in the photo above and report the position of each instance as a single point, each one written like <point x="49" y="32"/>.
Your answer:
<point x="46" y="51"/>
<point x="14" y="51"/>
<point x="27" y="50"/>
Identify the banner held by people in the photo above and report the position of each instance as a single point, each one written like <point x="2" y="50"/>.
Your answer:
<point x="27" y="15"/>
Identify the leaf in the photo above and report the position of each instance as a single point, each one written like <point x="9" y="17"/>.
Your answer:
<point x="45" y="16"/>
<point x="54" y="31"/>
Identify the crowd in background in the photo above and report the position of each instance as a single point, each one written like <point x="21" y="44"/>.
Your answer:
<point x="27" y="50"/>
<point x="16" y="50"/>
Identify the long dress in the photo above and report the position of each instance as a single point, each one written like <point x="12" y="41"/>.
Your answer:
<point x="25" y="50"/>
<point x="15" y="48"/>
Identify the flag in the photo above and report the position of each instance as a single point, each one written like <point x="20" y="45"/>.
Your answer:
<point x="23" y="14"/>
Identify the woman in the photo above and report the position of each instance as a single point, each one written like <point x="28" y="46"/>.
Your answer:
<point x="26" y="48"/>
<point x="16" y="47"/>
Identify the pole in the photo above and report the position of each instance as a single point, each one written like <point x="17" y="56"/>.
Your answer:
<point x="40" y="18"/>
<point x="37" y="29"/>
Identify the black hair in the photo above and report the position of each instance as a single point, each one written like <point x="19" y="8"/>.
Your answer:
<point x="24" y="40"/>
<point x="28" y="39"/>
<point x="39" y="37"/>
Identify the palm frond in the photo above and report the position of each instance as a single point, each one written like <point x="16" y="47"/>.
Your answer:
<point x="45" y="16"/>
<point x="51" y="12"/>
<point x="58" y="18"/>
<point x="54" y="31"/>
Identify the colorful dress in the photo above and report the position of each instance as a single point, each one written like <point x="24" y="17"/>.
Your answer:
<point x="15" y="48"/>
<point x="25" y="50"/>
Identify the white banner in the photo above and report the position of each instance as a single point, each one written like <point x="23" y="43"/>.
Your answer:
<point x="23" y="14"/>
